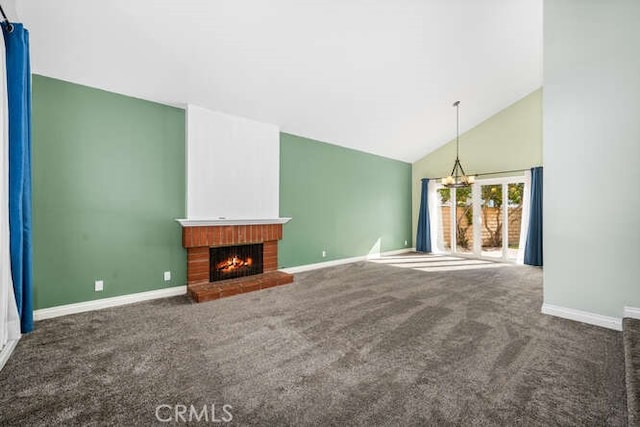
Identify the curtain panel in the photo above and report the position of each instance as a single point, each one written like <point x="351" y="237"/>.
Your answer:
<point x="19" y="97"/>
<point x="9" y="320"/>
<point x="423" y="238"/>
<point x="533" y="249"/>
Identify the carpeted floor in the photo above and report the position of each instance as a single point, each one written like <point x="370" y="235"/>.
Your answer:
<point x="360" y="344"/>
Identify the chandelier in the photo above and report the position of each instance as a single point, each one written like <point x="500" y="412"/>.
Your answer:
<point x="457" y="178"/>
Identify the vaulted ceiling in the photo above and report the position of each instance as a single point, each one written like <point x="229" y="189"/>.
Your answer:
<point x="373" y="75"/>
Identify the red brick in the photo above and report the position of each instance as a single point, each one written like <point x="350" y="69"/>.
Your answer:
<point x="198" y="275"/>
<point x="197" y="258"/>
<point x="194" y="237"/>
<point x="193" y="242"/>
<point x="230" y="289"/>
<point x="215" y="240"/>
<point x="233" y="234"/>
<point x="269" y="284"/>
<point x="204" y="292"/>
<point x="226" y="235"/>
<point x="251" y="286"/>
<point x="209" y="236"/>
<point x="198" y="267"/>
<point x="200" y="236"/>
<point x="197" y="253"/>
<point x="197" y="280"/>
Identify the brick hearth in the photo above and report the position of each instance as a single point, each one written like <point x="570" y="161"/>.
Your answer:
<point x="226" y="288"/>
<point x="198" y="239"/>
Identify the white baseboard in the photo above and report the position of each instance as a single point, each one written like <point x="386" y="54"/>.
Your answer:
<point x="608" y="322"/>
<point x="309" y="267"/>
<point x="632" y="312"/>
<point x="6" y="351"/>
<point x="80" y="307"/>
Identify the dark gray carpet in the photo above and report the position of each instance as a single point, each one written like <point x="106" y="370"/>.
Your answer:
<point x="631" y="337"/>
<point x="360" y="344"/>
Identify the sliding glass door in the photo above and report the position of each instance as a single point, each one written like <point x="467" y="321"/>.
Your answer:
<point x="446" y="224"/>
<point x="483" y="220"/>
<point x="463" y="220"/>
<point x="492" y="220"/>
<point x="515" y="205"/>
<point x="456" y="224"/>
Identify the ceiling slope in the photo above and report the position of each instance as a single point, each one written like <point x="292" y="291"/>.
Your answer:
<point x="377" y="76"/>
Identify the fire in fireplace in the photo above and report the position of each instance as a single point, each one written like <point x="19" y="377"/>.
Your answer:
<point x="235" y="261"/>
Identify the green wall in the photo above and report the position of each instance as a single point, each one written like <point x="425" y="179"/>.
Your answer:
<point x="341" y="200"/>
<point x="509" y="140"/>
<point x="108" y="181"/>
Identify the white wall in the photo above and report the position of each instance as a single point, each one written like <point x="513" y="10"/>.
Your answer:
<point x="10" y="9"/>
<point x="232" y="166"/>
<point x="591" y="153"/>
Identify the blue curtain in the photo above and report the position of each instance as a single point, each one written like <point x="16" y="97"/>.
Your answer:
<point x="19" y="94"/>
<point x="423" y="239"/>
<point x="533" y="248"/>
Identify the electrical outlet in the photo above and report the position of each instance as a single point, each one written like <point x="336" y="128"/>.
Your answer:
<point x="324" y="254"/>
<point x="406" y="243"/>
<point x="99" y="285"/>
<point x="167" y="276"/>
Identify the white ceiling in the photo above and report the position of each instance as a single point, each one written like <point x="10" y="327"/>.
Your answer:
<point x="378" y="76"/>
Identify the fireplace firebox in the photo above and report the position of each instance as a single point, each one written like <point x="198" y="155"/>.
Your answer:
<point x="228" y="262"/>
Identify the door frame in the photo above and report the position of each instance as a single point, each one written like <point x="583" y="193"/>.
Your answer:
<point x="477" y="217"/>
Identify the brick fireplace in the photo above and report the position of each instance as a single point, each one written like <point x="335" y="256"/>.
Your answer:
<point x="206" y="282"/>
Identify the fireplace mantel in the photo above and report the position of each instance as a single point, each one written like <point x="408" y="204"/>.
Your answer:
<point x="230" y="221"/>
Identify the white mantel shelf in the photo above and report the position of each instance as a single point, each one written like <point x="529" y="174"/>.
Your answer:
<point x="230" y="221"/>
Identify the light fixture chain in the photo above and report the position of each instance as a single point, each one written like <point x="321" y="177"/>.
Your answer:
<point x="457" y="129"/>
<point x="455" y="180"/>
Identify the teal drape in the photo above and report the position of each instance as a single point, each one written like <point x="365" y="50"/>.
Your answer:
<point x="533" y="248"/>
<point x="19" y="95"/>
<point x="423" y="238"/>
